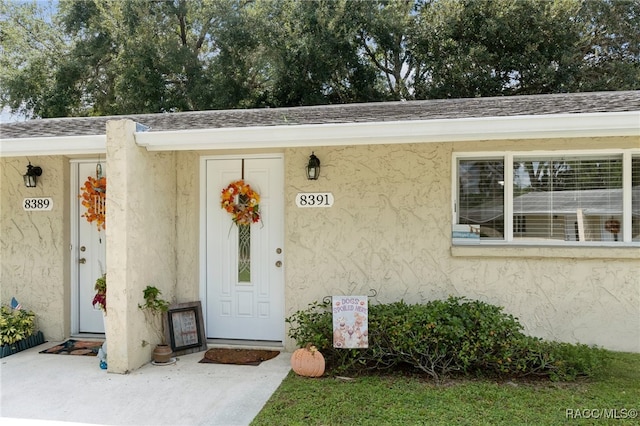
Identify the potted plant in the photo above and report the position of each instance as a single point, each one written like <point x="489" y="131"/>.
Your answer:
<point x="100" y="298"/>
<point x="100" y="302"/>
<point x="154" y="308"/>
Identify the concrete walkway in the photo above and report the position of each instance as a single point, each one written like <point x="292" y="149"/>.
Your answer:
<point x="65" y="388"/>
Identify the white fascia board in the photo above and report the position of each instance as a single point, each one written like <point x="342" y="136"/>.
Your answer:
<point x="64" y="145"/>
<point x="412" y="131"/>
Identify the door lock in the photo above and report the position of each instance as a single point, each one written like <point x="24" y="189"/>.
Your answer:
<point x="82" y="260"/>
<point x="278" y="263"/>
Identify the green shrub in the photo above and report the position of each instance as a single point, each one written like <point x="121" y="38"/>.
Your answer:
<point x="16" y="325"/>
<point x="442" y="338"/>
<point x="312" y="325"/>
<point x="558" y="361"/>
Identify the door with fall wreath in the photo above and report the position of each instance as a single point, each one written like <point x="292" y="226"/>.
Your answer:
<point x="244" y="248"/>
<point x="88" y="246"/>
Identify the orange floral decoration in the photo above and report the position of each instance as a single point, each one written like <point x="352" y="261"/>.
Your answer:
<point x="94" y="197"/>
<point x="242" y="202"/>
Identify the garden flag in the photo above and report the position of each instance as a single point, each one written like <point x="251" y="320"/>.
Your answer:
<point x="15" y="305"/>
<point x="350" y="322"/>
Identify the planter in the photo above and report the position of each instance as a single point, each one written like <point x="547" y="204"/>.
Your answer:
<point x="162" y="354"/>
<point x="21" y="345"/>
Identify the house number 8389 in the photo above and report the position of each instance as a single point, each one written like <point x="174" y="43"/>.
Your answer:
<point x="41" y="204"/>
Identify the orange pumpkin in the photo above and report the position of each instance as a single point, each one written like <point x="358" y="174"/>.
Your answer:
<point x="308" y="362"/>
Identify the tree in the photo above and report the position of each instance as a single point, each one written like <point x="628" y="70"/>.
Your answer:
<point x="125" y="73"/>
<point x="98" y="57"/>
<point x="307" y="54"/>
<point x="496" y="47"/>
<point x="611" y="47"/>
<point x="385" y="31"/>
<point x="31" y="40"/>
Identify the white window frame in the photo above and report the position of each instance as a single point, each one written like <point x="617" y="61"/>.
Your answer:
<point x="507" y="157"/>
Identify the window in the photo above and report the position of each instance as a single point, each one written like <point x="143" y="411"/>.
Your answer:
<point x="481" y="197"/>
<point x="552" y="198"/>
<point x="635" y="198"/>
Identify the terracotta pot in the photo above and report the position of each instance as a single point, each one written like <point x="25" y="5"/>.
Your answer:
<point x="162" y="353"/>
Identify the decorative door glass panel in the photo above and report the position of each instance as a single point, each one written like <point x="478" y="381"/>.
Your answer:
<point x="244" y="249"/>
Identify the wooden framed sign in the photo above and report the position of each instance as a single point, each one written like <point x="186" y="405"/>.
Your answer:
<point x="314" y="199"/>
<point x="186" y="328"/>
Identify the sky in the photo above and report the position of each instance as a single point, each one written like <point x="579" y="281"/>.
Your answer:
<point x="7" y="117"/>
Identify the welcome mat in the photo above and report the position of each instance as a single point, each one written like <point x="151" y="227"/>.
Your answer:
<point x="75" y="347"/>
<point x="237" y="356"/>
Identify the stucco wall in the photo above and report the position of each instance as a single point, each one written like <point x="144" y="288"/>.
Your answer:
<point x="141" y="240"/>
<point x="389" y="230"/>
<point x="188" y="226"/>
<point x="34" y="244"/>
<point x="390" y="227"/>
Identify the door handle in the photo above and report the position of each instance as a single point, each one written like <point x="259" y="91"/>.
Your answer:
<point x="278" y="263"/>
<point x="82" y="260"/>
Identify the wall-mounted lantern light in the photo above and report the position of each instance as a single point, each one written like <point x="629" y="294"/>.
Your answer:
<point x="313" y="168"/>
<point x="31" y="177"/>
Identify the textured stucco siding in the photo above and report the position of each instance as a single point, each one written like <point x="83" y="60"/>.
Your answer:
<point x="390" y="230"/>
<point x="141" y="241"/>
<point x="188" y="227"/>
<point x="34" y="253"/>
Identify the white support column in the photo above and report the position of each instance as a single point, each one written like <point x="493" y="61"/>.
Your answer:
<point x="141" y="206"/>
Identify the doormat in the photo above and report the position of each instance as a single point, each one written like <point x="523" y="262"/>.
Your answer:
<point x="75" y="347"/>
<point x="237" y="356"/>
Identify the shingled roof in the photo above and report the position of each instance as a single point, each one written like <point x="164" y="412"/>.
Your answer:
<point x="535" y="105"/>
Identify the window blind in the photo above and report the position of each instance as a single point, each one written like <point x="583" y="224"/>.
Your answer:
<point x="635" y="198"/>
<point x="567" y="198"/>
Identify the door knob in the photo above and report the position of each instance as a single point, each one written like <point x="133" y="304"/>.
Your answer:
<point x="278" y="263"/>
<point x="82" y="260"/>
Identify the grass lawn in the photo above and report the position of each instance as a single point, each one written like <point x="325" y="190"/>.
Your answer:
<point x="401" y="400"/>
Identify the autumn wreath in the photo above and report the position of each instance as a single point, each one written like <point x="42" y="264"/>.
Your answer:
<point x="94" y="197"/>
<point x="242" y="202"/>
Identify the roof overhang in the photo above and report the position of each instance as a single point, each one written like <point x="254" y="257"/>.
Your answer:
<point x="63" y="145"/>
<point x="394" y="132"/>
<point x="550" y="126"/>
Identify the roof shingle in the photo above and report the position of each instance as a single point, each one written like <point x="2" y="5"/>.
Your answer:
<point x="589" y="102"/>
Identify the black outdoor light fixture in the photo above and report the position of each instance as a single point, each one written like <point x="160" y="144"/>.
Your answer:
<point x="313" y="168"/>
<point x="31" y="177"/>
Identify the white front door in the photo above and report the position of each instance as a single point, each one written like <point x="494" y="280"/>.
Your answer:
<point x="244" y="264"/>
<point x="88" y="256"/>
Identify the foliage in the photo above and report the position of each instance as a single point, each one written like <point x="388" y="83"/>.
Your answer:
<point x="445" y="338"/>
<point x="498" y="47"/>
<point x="100" y="298"/>
<point x="154" y="307"/>
<point x="92" y="57"/>
<point x="16" y="324"/>
<point x="401" y="399"/>
<point x="562" y="361"/>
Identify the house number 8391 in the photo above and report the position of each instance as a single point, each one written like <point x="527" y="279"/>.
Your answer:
<point x="314" y="199"/>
